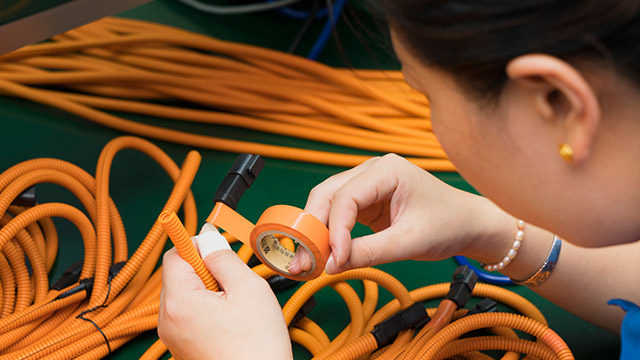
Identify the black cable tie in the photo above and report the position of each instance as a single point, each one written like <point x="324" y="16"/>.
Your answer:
<point x="305" y="310"/>
<point x="462" y="284"/>
<point x="87" y="285"/>
<point x="413" y="317"/>
<point x="106" y="340"/>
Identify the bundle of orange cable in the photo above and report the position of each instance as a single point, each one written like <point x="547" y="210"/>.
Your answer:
<point x="129" y="66"/>
<point x="112" y="299"/>
<point x="135" y="67"/>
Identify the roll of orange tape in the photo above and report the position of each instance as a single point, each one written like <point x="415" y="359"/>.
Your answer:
<point x="276" y="222"/>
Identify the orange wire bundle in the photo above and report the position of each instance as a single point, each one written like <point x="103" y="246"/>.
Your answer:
<point x="114" y="298"/>
<point x="131" y="66"/>
<point x="64" y="322"/>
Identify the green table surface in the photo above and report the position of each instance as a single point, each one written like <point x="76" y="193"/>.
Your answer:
<point x="139" y="187"/>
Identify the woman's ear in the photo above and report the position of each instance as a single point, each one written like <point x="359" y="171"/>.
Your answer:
<point x="561" y="95"/>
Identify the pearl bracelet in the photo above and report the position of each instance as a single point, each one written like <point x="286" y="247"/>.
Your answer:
<point x="517" y="242"/>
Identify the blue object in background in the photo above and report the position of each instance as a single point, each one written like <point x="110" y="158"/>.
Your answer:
<point x="301" y="14"/>
<point x="630" y="332"/>
<point x="323" y="38"/>
<point x="483" y="275"/>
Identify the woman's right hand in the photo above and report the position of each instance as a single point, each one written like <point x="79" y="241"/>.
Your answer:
<point x="413" y="214"/>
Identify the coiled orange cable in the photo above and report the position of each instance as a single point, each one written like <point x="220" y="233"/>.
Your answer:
<point x="256" y="88"/>
<point x="478" y="321"/>
<point x="519" y="346"/>
<point x="49" y="326"/>
<point x="128" y="312"/>
<point x="120" y="65"/>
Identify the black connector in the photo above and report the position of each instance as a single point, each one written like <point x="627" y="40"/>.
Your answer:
<point x="115" y="269"/>
<point x="243" y="172"/>
<point x="413" y="317"/>
<point x="305" y="310"/>
<point x="84" y="284"/>
<point x="69" y="277"/>
<point x="280" y="283"/>
<point x="276" y="282"/>
<point x="27" y="198"/>
<point x="462" y="283"/>
<point x="485" y="305"/>
<point x="253" y="261"/>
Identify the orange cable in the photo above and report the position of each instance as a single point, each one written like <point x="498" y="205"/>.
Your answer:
<point x="182" y="241"/>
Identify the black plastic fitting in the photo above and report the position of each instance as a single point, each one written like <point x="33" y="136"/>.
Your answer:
<point x="115" y="269"/>
<point x="462" y="283"/>
<point x="243" y="172"/>
<point x="27" y="198"/>
<point x="308" y="306"/>
<point x="84" y="284"/>
<point x="70" y="277"/>
<point x="253" y="261"/>
<point x="413" y="317"/>
<point x="485" y="305"/>
<point x="280" y="283"/>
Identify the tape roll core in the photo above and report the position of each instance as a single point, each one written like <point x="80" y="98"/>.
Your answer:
<point x="276" y="256"/>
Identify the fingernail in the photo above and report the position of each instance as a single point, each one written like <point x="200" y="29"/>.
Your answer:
<point x="330" y="262"/>
<point x="330" y="266"/>
<point x="207" y="227"/>
<point x="336" y="259"/>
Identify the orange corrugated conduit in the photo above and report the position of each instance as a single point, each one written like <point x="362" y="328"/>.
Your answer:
<point x="479" y="321"/>
<point x="122" y="65"/>
<point x="40" y="322"/>
<point x="54" y="323"/>
<point x="182" y="241"/>
<point x="119" y="65"/>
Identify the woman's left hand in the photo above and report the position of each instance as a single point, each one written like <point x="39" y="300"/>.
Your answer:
<point x="244" y="321"/>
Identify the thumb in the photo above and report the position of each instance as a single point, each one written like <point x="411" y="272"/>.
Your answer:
<point x="222" y="262"/>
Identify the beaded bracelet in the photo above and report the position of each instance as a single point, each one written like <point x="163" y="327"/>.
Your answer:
<point x="517" y="242"/>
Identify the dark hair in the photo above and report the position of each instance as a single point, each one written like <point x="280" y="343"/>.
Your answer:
<point x="473" y="40"/>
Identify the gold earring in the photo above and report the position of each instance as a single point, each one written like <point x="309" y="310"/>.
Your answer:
<point x="566" y="152"/>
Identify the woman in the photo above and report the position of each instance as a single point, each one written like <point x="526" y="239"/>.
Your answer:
<point x="536" y="103"/>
